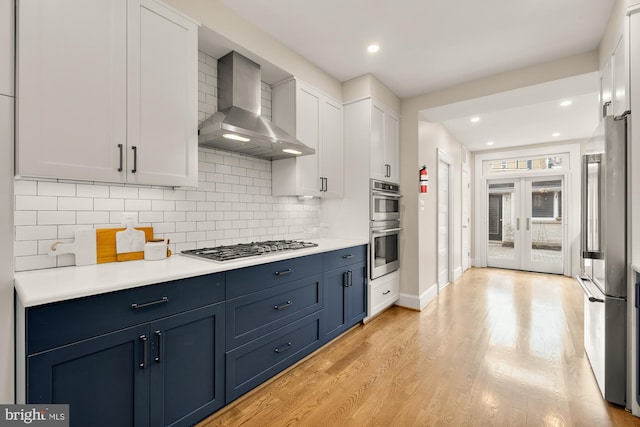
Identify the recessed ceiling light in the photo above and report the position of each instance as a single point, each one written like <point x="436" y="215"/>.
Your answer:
<point x="236" y="137"/>
<point x="490" y="143"/>
<point x="475" y="119"/>
<point x="555" y="134"/>
<point x="373" y="48"/>
<point x="565" y="103"/>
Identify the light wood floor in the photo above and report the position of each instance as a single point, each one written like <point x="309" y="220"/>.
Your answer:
<point x="496" y="348"/>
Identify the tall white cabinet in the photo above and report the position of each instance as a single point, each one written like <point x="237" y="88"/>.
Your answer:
<point x="7" y="55"/>
<point x="384" y="143"/>
<point x="107" y="92"/>
<point x="316" y="120"/>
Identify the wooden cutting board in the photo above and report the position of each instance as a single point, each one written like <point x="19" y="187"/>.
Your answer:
<point x="106" y="245"/>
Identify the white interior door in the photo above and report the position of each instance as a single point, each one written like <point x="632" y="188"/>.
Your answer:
<point x="466" y="218"/>
<point x="525" y="224"/>
<point x="443" y="223"/>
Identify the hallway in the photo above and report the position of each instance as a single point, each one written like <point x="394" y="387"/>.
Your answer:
<point x="497" y="348"/>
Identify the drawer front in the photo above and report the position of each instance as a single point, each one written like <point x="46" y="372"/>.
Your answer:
<point x="253" y="279"/>
<point x="56" y="324"/>
<point x="254" y="315"/>
<point x="383" y="294"/>
<point x="343" y="257"/>
<point x="253" y="363"/>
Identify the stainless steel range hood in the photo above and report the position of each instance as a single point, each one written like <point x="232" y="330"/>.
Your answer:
<point x="238" y="125"/>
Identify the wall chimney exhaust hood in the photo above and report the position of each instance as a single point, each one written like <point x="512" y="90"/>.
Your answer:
<point x="238" y="125"/>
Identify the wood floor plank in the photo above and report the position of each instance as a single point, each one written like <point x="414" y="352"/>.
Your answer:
<point x="496" y="348"/>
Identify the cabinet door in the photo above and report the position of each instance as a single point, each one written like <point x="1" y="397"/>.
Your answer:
<point x="334" y="318"/>
<point x="357" y="298"/>
<point x="378" y="167"/>
<point x="71" y="87"/>
<point x="332" y="149"/>
<point x="308" y="131"/>
<point x="162" y="115"/>
<point x="100" y="378"/>
<point x="391" y="133"/>
<point x="7" y="46"/>
<point x="187" y="366"/>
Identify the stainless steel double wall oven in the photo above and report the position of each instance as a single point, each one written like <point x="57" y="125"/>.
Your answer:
<point x="384" y="228"/>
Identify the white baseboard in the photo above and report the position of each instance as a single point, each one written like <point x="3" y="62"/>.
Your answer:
<point x="457" y="273"/>
<point x="418" y="303"/>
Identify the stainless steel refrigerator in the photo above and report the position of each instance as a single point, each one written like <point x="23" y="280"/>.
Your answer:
<point x="604" y="263"/>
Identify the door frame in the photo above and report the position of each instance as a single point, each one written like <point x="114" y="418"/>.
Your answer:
<point x="465" y="222"/>
<point x="572" y="180"/>
<point x="448" y="160"/>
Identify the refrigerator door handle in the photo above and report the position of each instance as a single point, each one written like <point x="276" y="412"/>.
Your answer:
<point x="586" y="290"/>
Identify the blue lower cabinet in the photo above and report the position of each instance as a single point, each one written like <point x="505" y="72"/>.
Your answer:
<point x="253" y="363"/>
<point x="164" y="373"/>
<point x="345" y="299"/>
<point x="100" y="378"/>
<point x="187" y="366"/>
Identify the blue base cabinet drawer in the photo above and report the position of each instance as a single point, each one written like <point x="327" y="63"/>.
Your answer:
<point x="52" y="325"/>
<point x="343" y="257"/>
<point x="253" y="363"/>
<point x="254" y="279"/>
<point x="254" y="315"/>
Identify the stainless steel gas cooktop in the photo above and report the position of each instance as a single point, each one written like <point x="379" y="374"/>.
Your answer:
<point x="244" y="250"/>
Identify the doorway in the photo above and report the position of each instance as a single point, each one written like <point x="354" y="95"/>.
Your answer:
<point x="445" y="211"/>
<point x="466" y="218"/>
<point x="525" y="224"/>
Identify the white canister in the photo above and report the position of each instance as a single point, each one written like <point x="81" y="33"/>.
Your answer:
<point x="155" y="249"/>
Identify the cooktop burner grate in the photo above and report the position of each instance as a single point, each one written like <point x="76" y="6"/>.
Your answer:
<point x="244" y="250"/>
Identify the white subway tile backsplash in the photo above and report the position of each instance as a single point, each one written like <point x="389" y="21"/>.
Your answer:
<point x="75" y="204"/>
<point x="108" y="204"/>
<point x="232" y="203"/>
<point x="34" y="203"/>
<point x="56" y="189"/>
<point x="56" y="217"/>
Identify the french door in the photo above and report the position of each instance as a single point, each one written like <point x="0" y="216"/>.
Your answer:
<point x="525" y="224"/>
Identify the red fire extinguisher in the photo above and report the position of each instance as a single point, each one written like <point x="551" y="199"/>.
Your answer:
<point x="424" y="180"/>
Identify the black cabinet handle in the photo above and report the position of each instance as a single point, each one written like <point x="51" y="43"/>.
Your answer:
<point x="347" y="256"/>
<point x="120" y="148"/>
<point x="345" y="279"/>
<point x="321" y="184"/>
<point x="136" y="306"/>
<point x="283" y="348"/>
<point x="326" y="185"/>
<point x="387" y="292"/>
<point x="143" y="338"/>
<point x="159" y="349"/>
<point x="283" y="305"/>
<point x="135" y="159"/>
<point x="283" y="272"/>
<point x="350" y="274"/>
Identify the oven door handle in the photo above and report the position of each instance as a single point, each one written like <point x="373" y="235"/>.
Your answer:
<point x="581" y="281"/>
<point x="386" y="230"/>
<point x="385" y="194"/>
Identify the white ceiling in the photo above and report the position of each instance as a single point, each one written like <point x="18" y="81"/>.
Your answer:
<point x="427" y="45"/>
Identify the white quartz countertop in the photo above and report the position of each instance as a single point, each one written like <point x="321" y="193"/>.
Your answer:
<point x="58" y="284"/>
<point x="636" y="267"/>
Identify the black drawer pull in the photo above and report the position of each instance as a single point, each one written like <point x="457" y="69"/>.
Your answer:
<point x="282" y="349"/>
<point x="136" y="306"/>
<point x="387" y="292"/>
<point x="347" y="256"/>
<point x="143" y="338"/>
<point x="283" y="305"/>
<point x="283" y="272"/>
<point x="159" y="349"/>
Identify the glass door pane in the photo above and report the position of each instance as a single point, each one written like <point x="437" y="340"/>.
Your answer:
<point x="544" y="225"/>
<point x="502" y="225"/>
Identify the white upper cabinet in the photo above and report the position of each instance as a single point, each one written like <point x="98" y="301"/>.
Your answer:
<point x="315" y="120"/>
<point x="7" y="40"/>
<point x="384" y="143"/>
<point x="107" y="91"/>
